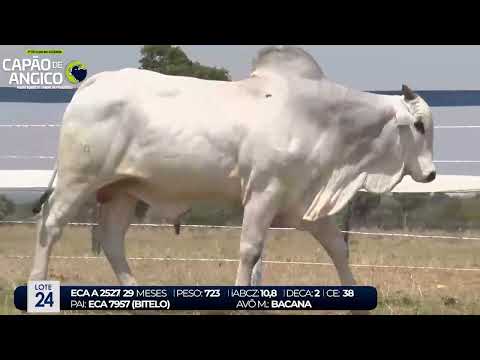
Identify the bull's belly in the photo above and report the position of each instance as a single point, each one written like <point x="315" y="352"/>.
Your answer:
<point x="186" y="190"/>
<point x="184" y="186"/>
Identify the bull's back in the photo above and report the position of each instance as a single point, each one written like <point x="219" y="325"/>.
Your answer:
<point x="166" y="131"/>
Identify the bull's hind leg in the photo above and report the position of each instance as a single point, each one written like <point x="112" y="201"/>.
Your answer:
<point x="257" y="272"/>
<point x="56" y="212"/>
<point x="328" y="235"/>
<point x="114" y="219"/>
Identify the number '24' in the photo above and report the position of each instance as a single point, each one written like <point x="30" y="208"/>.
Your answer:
<point x="44" y="300"/>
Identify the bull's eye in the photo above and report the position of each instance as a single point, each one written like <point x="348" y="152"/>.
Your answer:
<point x="419" y="126"/>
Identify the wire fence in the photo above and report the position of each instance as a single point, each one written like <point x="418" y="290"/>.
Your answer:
<point x="51" y="157"/>
<point x="59" y="125"/>
<point x="374" y="234"/>
<point x="382" y="234"/>
<point x="275" y="262"/>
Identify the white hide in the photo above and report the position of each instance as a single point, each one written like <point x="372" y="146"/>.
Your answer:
<point x="181" y="139"/>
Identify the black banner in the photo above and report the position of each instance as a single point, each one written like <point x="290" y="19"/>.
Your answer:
<point x="199" y="298"/>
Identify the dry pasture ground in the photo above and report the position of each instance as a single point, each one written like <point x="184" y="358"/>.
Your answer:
<point x="400" y="291"/>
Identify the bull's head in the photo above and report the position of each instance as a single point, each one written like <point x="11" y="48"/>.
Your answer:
<point x="416" y="134"/>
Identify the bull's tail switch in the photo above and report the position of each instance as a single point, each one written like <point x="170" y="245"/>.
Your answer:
<point x="38" y="205"/>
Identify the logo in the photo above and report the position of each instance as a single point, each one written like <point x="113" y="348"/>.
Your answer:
<point x="43" y="69"/>
<point x="43" y="296"/>
<point x="76" y="72"/>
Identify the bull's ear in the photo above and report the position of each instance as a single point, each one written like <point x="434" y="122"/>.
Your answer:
<point x="408" y="93"/>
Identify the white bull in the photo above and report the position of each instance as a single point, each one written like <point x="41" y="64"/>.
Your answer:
<point x="288" y="143"/>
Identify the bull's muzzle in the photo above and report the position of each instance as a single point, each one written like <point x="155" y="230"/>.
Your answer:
<point x="431" y="176"/>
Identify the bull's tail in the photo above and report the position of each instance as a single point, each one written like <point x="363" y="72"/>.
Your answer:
<point x="38" y="205"/>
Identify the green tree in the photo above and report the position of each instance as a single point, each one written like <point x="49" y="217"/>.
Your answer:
<point x="7" y="207"/>
<point x="171" y="60"/>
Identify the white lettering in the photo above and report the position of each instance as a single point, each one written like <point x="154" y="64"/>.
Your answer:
<point x="291" y="304"/>
<point x="57" y="78"/>
<point x="16" y="65"/>
<point x="35" y="64"/>
<point x="45" y="64"/>
<point x="26" y="63"/>
<point x="34" y="78"/>
<point x="4" y="64"/>
<point x="13" y="79"/>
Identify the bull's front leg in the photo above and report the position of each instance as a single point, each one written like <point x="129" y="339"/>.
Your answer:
<point x="258" y="215"/>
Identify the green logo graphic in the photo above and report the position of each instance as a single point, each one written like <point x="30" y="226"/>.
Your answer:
<point x="76" y="72"/>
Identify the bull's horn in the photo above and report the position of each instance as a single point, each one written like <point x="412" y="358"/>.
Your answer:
<point x="408" y="93"/>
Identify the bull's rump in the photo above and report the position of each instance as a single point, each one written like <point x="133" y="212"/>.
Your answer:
<point x="180" y="136"/>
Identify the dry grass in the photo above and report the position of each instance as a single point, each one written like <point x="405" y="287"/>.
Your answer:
<point x="401" y="291"/>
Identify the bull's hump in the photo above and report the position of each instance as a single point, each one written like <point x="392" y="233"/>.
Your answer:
<point x="287" y="61"/>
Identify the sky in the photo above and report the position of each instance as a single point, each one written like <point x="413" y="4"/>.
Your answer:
<point x="363" y="67"/>
<point x="380" y="67"/>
